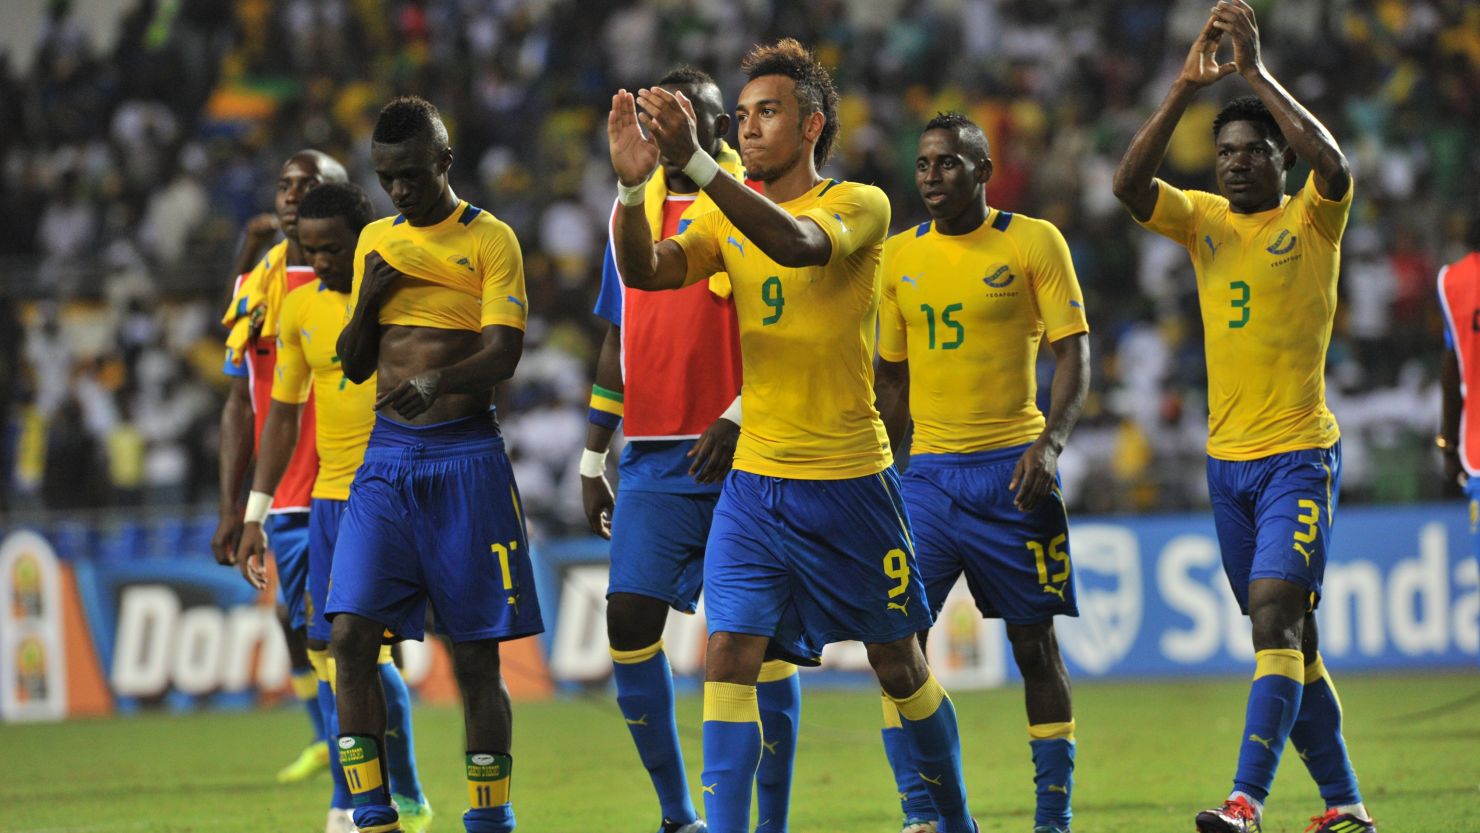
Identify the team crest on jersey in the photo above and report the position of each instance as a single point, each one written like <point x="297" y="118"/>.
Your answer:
<point x="1000" y="279"/>
<point x="1283" y="243"/>
<point x="461" y="260"/>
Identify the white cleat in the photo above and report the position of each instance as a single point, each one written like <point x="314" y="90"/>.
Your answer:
<point x="340" y="821"/>
<point x="918" y="826"/>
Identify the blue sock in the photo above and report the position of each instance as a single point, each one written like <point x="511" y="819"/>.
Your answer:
<point x="1053" y="765"/>
<point x="1274" y="701"/>
<point x="929" y="722"/>
<point x="498" y="819"/>
<point x="732" y="751"/>
<point x="329" y="710"/>
<point x="364" y="769"/>
<point x="400" y="744"/>
<point x="914" y="801"/>
<point x="645" y="697"/>
<point x="306" y="689"/>
<point x="779" y="696"/>
<point x="1317" y="738"/>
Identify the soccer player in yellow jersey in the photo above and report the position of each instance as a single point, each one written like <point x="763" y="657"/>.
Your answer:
<point x="1266" y="267"/>
<point x="810" y="542"/>
<point x="439" y="309"/>
<point x="329" y="224"/>
<point x="967" y="298"/>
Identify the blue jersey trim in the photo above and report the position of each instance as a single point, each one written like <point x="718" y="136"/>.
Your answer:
<point x="609" y="298"/>
<point x="829" y="187"/>
<point x="922" y="229"/>
<point x="400" y="218"/>
<point x="1003" y="218"/>
<point x="469" y="214"/>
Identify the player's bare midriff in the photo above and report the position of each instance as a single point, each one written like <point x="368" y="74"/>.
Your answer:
<point x="407" y="351"/>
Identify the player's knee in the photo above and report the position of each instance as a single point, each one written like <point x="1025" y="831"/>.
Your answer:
<point x="1033" y="648"/>
<point x="1277" y="611"/>
<point x="899" y="665"/>
<point x="477" y="666"/>
<point x="355" y="641"/>
<point x="734" y="658"/>
<point x="633" y="621"/>
<point x="317" y="645"/>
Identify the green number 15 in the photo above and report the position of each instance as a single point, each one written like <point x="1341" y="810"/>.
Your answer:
<point x="771" y="294"/>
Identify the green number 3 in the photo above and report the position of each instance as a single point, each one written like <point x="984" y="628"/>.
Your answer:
<point x="771" y="294"/>
<point x="1240" y="303"/>
<point x="946" y="319"/>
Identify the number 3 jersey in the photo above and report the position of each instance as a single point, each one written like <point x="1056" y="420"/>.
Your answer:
<point x="1266" y="283"/>
<point x="968" y="311"/>
<point x="806" y="336"/>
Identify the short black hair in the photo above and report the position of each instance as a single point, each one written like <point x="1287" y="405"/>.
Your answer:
<point x="1249" y="108"/>
<point x="814" y="85"/>
<point x="338" y="199"/>
<point x="687" y="74"/>
<point x="971" y="134"/>
<point x="410" y="117"/>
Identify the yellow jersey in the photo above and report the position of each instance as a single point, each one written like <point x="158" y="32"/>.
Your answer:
<point x="1266" y="283"/>
<point x="464" y="273"/>
<point x="313" y="316"/>
<point x="968" y="312"/>
<point x="806" y="337"/>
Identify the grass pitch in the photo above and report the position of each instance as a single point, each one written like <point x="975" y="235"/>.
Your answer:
<point x="1150" y="756"/>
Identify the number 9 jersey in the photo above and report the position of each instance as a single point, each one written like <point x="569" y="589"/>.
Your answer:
<point x="1266" y="283"/>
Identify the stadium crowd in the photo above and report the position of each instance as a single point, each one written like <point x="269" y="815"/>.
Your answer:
<point x="129" y="169"/>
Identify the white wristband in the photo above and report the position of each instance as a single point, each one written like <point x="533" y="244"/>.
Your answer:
<point x="701" y="168"/>
<point x="257" y="505"/>
<point x="630" y="195"/>
<point x="593" y="463"/>
<point x="732" y="413"/>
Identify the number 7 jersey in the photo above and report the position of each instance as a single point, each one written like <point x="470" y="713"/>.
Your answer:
<point x="1266" y="283"/>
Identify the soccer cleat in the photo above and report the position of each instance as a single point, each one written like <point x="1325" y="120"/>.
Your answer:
<point x="1047" y="828"/>
<point x="916" y="825"/>
<point x="1335" y="821"/>
<point x="340" y="821"/>
<point x="416" y="817"/>
<point x="1236" y="815"/>
<point x="695" y="826"/>
<point x="310" y="762"/>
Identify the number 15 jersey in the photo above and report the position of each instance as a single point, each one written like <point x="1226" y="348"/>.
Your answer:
<point x="1266" y="283"/>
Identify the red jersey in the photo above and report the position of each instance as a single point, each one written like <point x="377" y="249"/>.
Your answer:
<point x="264" y="288"/>
<point x="1459" y="294"/>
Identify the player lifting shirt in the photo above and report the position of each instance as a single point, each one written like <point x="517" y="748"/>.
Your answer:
<point x="434" y="514"/>
<point x="1266" y="267"/>
<point x="809" y="543"/>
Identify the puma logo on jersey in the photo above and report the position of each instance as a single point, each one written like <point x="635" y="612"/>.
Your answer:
<point x="912" y="281"/>
<point x="641" y="721"/>
<point x="307" y="333"/>
<point x="1262" y="742"/>
<point x="1057" y="591"/>
<point x="737" y="244"/>
<point x="842" y="226"/>
<point x="1212" y="250"/>
<point x="903" y="607"/>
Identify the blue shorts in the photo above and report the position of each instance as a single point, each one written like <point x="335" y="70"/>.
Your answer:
<point x="1017" y="564"/>
<point x="324" y="517"/>
<point x="287" y="537"/>
<point x="434" y="515"/>
<point x="809" y="562"/>
<point x="658" y="545"/>
<point x="1274" y="515"/>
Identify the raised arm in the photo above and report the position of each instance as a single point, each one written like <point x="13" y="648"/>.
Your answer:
<point x="1135" y="179"/>
<point x="790" y="241"/>
<point x="1310" y="139"/>
<point x="359" y="342"/>
<point x="641" y="264"/>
